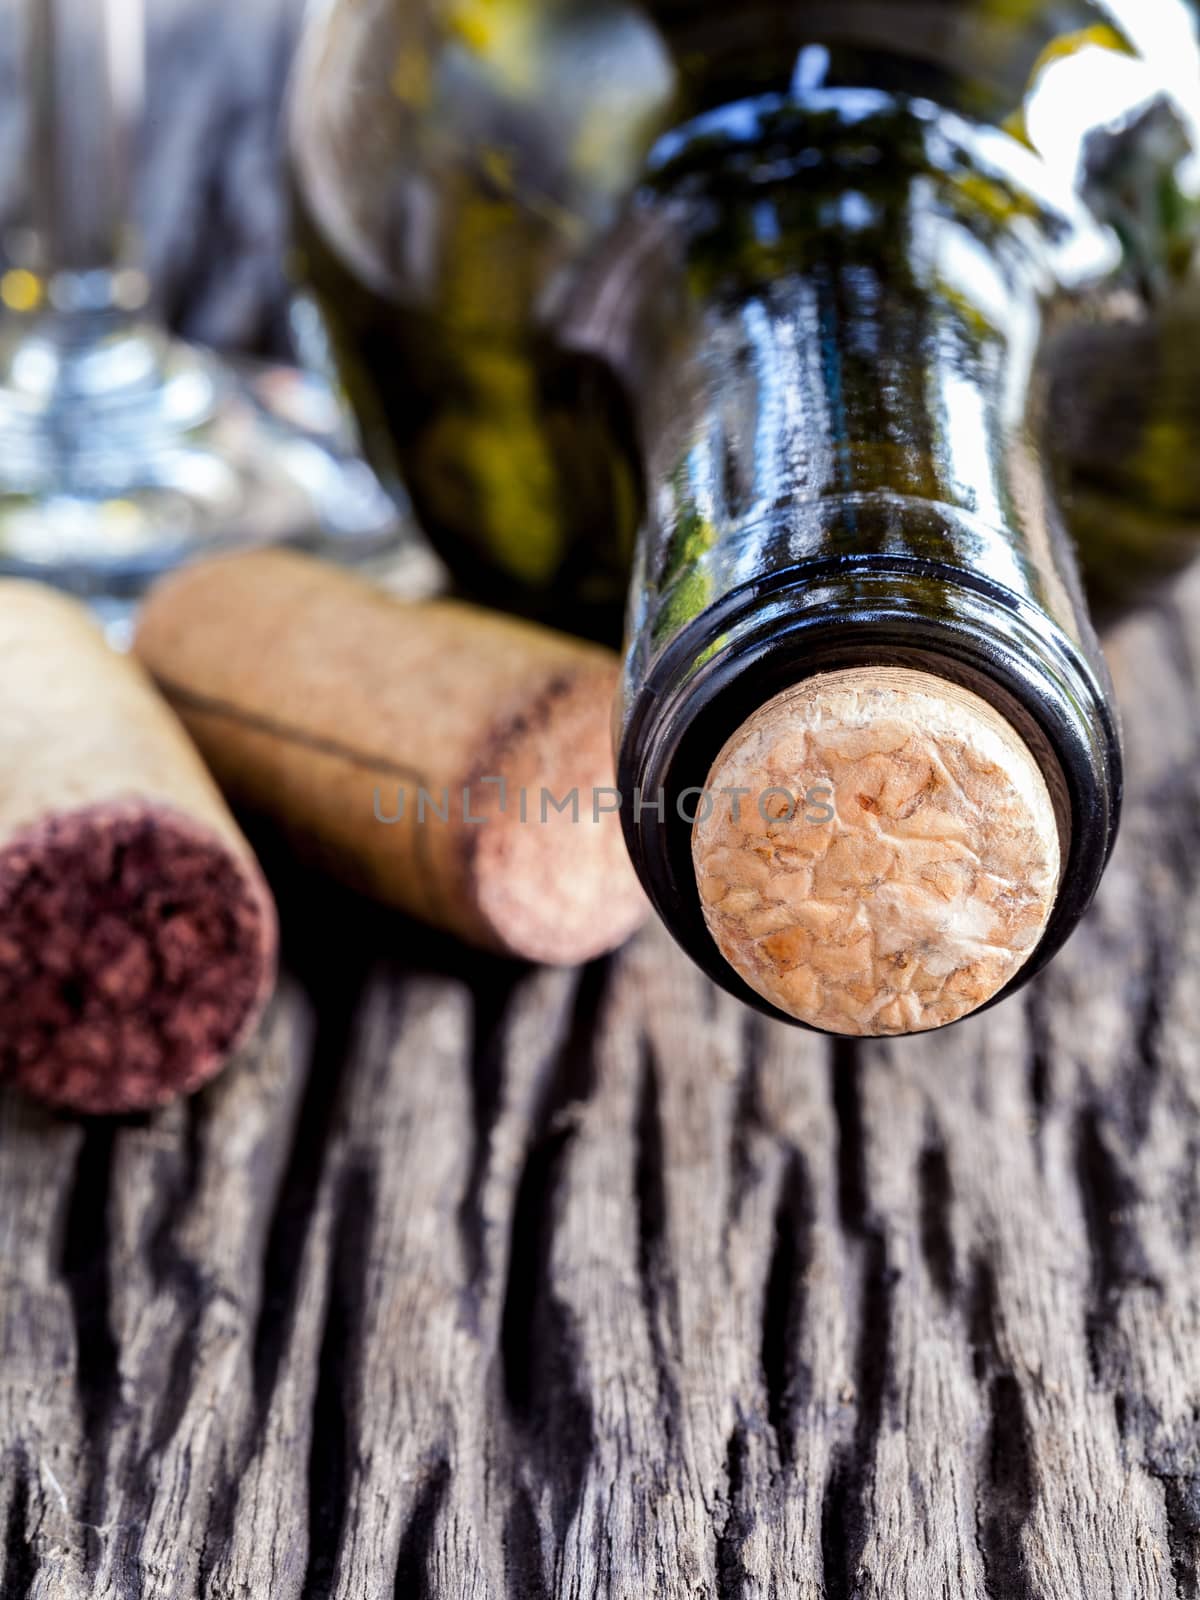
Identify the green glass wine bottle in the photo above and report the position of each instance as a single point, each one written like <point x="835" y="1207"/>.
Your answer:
<point x="752" y="314"/>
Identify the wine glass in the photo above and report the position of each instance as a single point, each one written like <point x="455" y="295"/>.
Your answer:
<point x="123" y="450"/>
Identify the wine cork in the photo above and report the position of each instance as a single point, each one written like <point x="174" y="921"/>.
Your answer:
<point x="447" y="761"/>
<point x="894" y="856"/>
<point x="137" y="937"/>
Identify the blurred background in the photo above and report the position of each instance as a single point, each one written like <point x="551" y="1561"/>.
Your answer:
<point x="208" y="200"/>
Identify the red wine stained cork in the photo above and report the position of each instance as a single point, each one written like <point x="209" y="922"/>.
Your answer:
<point x="450" y="762"/>
<point x="137" y="937"/>
<point x="894" y="856"/>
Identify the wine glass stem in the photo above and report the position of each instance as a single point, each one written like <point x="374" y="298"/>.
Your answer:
<point x="86" y="74"/>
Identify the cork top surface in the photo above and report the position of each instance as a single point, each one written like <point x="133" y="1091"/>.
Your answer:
<point x="877" y="851"/>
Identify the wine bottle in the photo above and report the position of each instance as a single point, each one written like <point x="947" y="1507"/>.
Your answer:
<point x="768" y="296"/>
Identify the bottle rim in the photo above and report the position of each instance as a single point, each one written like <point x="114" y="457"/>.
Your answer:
<point x="828" y="615"/>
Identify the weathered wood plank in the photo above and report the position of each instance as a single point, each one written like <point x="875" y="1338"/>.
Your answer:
<point x="564" y="1284"/>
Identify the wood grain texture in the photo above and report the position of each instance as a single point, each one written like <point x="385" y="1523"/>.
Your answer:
<point x="469" y="1280"/>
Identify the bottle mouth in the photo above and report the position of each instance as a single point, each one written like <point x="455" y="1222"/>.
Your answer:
<point x="876" y="851"/>
<point x="868" y="617"/>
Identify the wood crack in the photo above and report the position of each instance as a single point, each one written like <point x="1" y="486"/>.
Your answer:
<point x="935" y="1199"/>
<point x="18" y="1568"/>
<point x="340" y="992"/>
<point x="492" y="1005"/>
<point x="1181" y="1500"/>
<point x="85" y="1270"/>
<point x="660" y="1300"/>
<point x="845" y="1518"/>
<point x="748" y="1122"/>
<point x="546" y="1399"/>
<point x="786" y="1379"/>
<point x="1110" y="1199"/>
<point x="1006" y="1491"/>
<point x="739" y="1519"/>
<point x="524" y="1573"/>
<point x="337" y="1400"/>
<point x="413" y="1579"/>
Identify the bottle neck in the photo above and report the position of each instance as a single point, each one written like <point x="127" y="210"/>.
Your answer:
<point x="861" y="369"/>
<point x="857" y="359"/>
<point x="839" y="461"/>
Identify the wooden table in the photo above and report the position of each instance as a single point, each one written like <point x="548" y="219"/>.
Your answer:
<point x="468" y="1280"/>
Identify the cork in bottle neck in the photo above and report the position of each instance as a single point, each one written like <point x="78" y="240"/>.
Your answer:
<point x="877" y="851"/>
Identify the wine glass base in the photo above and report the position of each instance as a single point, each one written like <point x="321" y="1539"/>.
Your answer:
<point x="125" y="453"/>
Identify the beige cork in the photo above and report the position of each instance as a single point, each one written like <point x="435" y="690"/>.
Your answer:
<point x="446" y="760"/>
<point x="908" y="869"/>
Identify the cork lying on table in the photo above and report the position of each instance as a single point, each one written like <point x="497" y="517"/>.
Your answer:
<point x="137" y="936"/>
<point x="449" y="761"/>
<point x="904" y="868"/>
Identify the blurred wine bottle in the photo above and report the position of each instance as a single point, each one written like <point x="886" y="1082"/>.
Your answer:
<point x="453" y="165"/>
